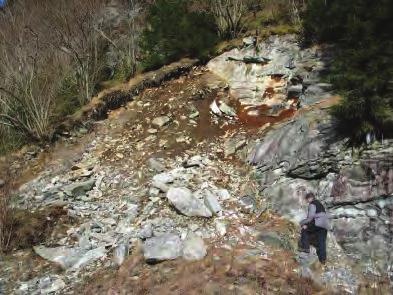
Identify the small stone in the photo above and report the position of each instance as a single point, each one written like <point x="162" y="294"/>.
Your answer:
<point x="109" y="221"/>
<point x="229" y="148"/>
<point x="227" y="110"/>
<point x="146" y="231"/>
<point x="156" y="165"/>
<point x="195" y="161"/>
<point x="161" y="121"/>
<point x="119" y="155"/>
<point x="248" y="204"/>
<point x="120" y="253"/>
<point x="2" y="182"/>
<point x="163" y="178"/>
<point x="51" y="285"/>
<point x="154" y="192"/>
<point x="223" y="194"/>
<point x="212" y="203"/>
<point x="221" y="227"/>
<point x="215" y="109"/>
<point x="181" y="139"/>
<point x="152" y="131"/>
<point x="194" y="115"/>
<point x="163" y="143"/>
<point x="89" y="257"/>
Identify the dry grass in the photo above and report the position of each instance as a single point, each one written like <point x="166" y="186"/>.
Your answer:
<point x="22" y="229"/>
<point x="221" y="272"/>
<point x="6" y="217"/>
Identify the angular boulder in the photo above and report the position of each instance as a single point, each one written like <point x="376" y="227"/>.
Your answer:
<point x="70" y="258"/>
<point x="184" y="201"/>
<point x="164" y="247"/>
<point x="161" y="121"/>
<point x="79" y="188"/>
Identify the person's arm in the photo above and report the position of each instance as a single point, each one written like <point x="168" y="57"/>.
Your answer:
<point x="310" y="215"/>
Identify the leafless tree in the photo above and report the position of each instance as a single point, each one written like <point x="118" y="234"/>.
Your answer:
<point x="45" y="43"/>
<point x="77" y="28"/>
<point x="27" y="85"/>
<point x="124" y="37"/>
<point x="296" y="6"/>
<point x="228" y="15"/>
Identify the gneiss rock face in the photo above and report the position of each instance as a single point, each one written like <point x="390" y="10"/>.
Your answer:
<point x="184" y="201"/>
<point x="273" y="74"/>
<point x="357" y="189"/>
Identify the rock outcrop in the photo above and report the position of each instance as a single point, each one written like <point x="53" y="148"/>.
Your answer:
<point x="276" y="75"/>
<point x="356" y="185"/>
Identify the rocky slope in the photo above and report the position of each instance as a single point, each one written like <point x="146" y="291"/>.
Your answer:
<point x="207" y="163"/>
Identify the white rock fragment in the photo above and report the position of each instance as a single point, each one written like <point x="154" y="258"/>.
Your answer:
<point x="211" y="202"/>
<point x="215" y="109"/>
<point x="120" y="253"/>
<point x="221" y="227"/>
<point x="194" y="247"/>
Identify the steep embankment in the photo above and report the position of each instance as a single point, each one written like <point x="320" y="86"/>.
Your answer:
<point x="167" y="177"/>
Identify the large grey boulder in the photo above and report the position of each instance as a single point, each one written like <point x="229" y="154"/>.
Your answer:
<point x="164" y="247"/>
<point x="184" y="201"/>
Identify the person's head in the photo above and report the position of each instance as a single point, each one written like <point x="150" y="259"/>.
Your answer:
<point x="309" y="197"/>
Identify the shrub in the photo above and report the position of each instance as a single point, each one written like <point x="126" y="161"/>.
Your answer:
<point x="363" y="65"/>
<point x="174" y="32"/>
<point x="22" y="229"/>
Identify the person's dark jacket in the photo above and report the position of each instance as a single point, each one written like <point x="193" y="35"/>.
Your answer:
<point x="317" y="213"/>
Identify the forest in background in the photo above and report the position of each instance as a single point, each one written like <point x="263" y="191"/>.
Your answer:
<point x="56" y="55"/>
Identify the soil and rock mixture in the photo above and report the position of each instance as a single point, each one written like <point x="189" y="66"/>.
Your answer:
<point x="195" y="187"/>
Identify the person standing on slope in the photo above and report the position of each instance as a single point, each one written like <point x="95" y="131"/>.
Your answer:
<point x="314" y="228"/>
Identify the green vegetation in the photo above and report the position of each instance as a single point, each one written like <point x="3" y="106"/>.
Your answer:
<point x="363" y="66"/>
<point x="174" y="31"/>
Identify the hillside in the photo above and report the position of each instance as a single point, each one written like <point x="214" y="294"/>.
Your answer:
<point x="190" y="179"/>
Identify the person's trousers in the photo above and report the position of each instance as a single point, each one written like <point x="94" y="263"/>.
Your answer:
<point x="315" y="236"/>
